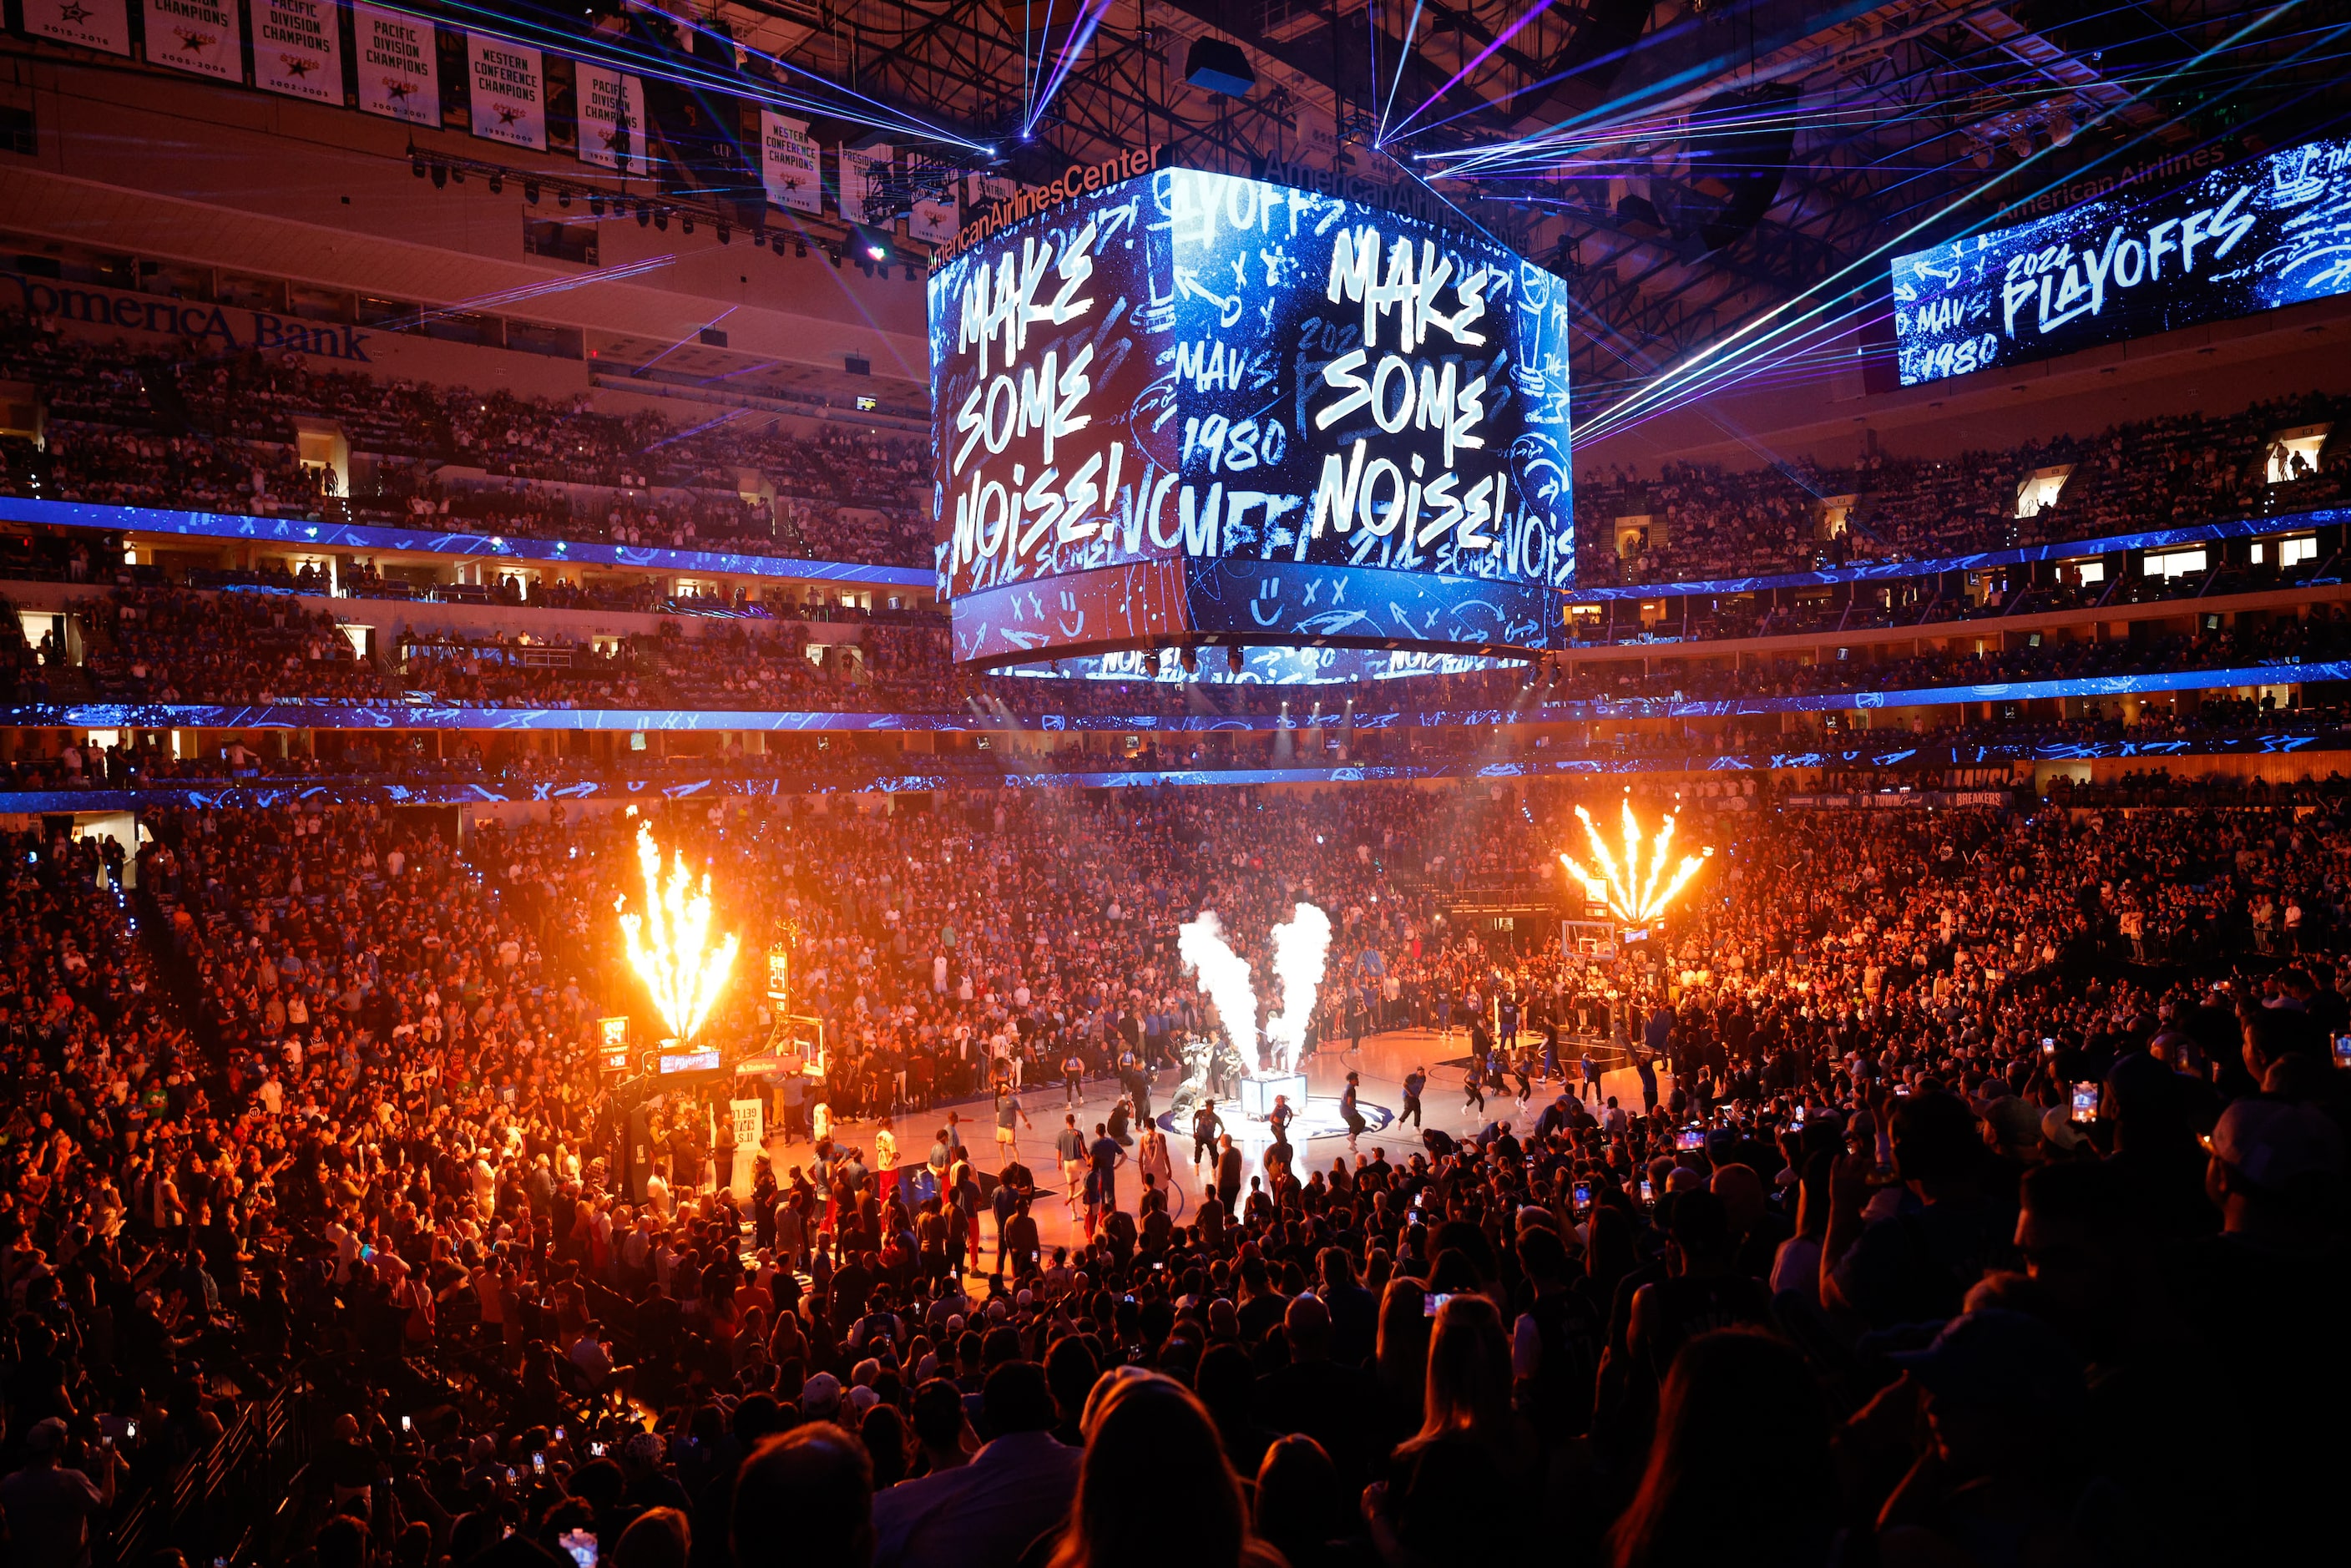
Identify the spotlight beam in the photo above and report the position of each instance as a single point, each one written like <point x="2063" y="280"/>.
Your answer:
<point x="1715" y="364"/>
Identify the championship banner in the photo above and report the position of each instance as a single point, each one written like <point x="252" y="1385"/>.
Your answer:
<point x="612" y="121"/>
<point x="398" y="66"/>
<point x="861" y="173"/>
<point x="935" y="222"/>
<point x="89" y="23"/>
<point x="788" y="165"/>
<point x="297" y="49"/>
<point x="509" y="95"/>
<point x="203" y="37"/>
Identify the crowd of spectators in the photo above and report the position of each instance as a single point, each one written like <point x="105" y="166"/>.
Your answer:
<point x="1999" y="1167"/>
<point x="2286" y="642"/>
<point x="161" y="645"/>
<point x="1705" y="522"/>
<point x="215" y="434"/>
<point x="200" y="432"/>
<point x="168" y="645"/>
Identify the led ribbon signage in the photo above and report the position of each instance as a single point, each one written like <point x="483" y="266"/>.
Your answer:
<point x="2244" y="238"/>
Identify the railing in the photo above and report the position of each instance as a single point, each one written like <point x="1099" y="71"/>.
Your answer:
<point x="211" y="1506"/>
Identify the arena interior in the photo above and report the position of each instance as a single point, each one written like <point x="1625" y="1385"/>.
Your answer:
<point x="1225" y="784"/>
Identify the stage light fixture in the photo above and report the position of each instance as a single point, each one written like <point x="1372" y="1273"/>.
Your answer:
<point x="725" y="235"/>
<point x="834" y="257"/>
<point x="685" y="222"/>
<point x="530" y="192"/>
<point x="644" y="214"/>
<point x="416" y="167"/>
<point x="661" y="220"/>
<point x="563" y="198"/>
<point x="1216" y="66"/>
<point x="439" y="177"/>
<point x="457" y="176"/>
<point x="799" y="247"/>
<point x="910" y="272"/>
<point x="595" y="206"/>
<point x="498" y="183"/>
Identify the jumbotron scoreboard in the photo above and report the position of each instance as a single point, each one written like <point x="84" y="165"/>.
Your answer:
<point x="1191" y="409"/>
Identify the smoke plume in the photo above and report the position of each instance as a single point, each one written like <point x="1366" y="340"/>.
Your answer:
<point x="1225" y="976"/>
<point x="1300" y="951"/>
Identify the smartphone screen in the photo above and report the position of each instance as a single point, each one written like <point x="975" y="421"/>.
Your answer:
<point x="1582" y="1195"/>
<point x="581" y="1545"/>
<point x="2343" y="1050"/>
<point x="408" y="1423"/>
<point x="2086" y="1101"/>
<point x="538" y="1464"/>
<point x="1431" y="1304"/>
<point x="1688" y="1138"/>
<point x="1645" y="1196"/>
<point x="2048" y="1045"/>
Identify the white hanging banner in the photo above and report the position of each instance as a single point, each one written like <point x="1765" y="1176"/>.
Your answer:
<point x="861" y="172"/>
<point x="399" y="70"/>
<point x="91" y="24"/>
<point x="935" y="222"/>
<point x="509" y="95"/>
<point x="297" y="49"/>
<point x="787" y="163"/>
<point x="612" y="121"/>
<point x="205" y="36"/>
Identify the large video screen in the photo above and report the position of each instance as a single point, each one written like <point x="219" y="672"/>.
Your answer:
<point x="1194" y="367"/>
<point x="2243" y="239"/>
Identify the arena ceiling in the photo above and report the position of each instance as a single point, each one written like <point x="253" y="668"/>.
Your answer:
<point x="1688" y="163"/>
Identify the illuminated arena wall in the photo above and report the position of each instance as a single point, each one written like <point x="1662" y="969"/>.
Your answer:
<point x="1191" y="408"/>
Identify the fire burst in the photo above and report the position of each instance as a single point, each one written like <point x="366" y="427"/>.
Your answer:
<point x="670" y="947"/>
<point x="1635" y="895"/>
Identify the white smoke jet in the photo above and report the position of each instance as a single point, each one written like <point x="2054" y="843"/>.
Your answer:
<point x="1300" y="950"/>
<point x="1225" y="976"/>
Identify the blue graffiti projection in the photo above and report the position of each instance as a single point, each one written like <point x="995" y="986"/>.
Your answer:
<point x="2246" y="237"/>
<point x="1278" y="389"/>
